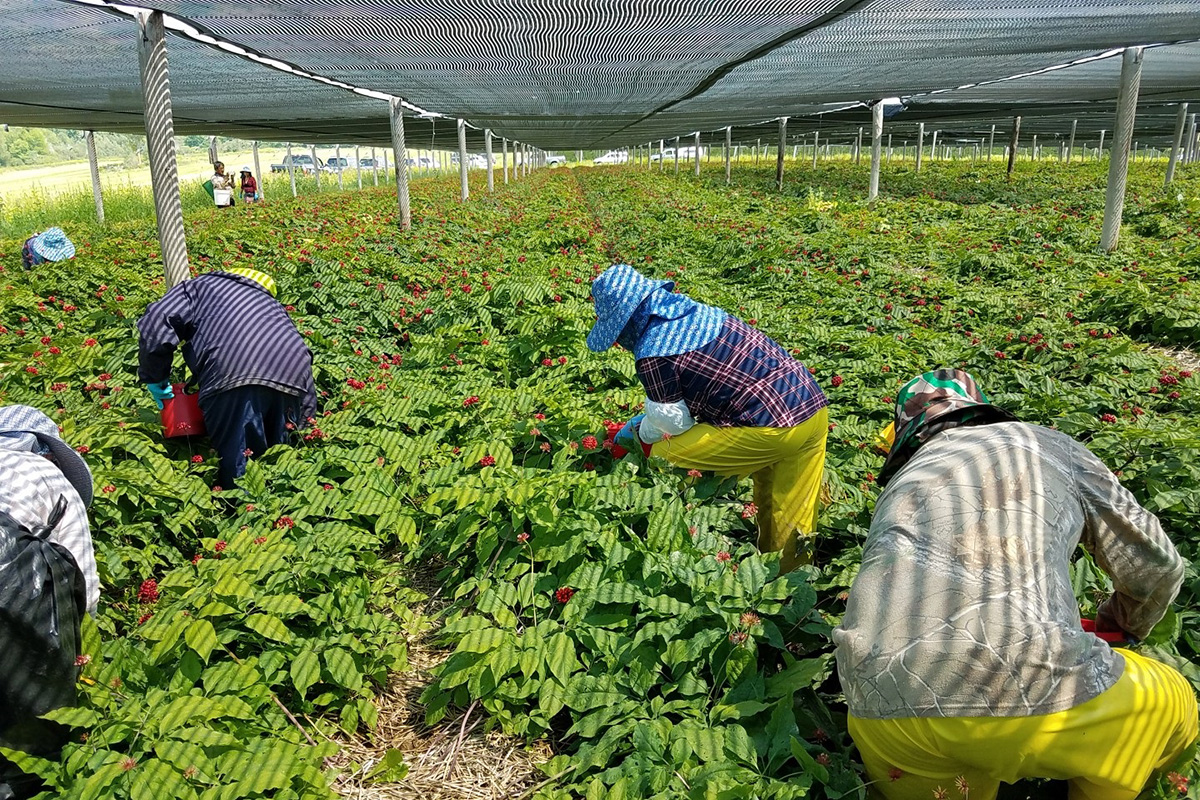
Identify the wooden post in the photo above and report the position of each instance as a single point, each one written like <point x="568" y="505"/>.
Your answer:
<point x="1012" y="145"/>
<point x="94" y="168"/>
<point x="291" y="169"/>
<point x="728" y="143"/>
<point x="1118" y="163"/>
<point x="462" y="161"/>
<point x="401" y="158"/>
<point x="779" y="155"/>
<point x="876" y="143"/>
<point x="920" y="143"/>
<point x="160" y="145"/>
<point x="260" y="194"/>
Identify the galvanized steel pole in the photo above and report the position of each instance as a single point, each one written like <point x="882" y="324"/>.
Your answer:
<point x="728" y="146"/>
<point x="337" y="159"/>
<point x="991" y="141"/>
<point x="1118" y="164"/>
<point x="1071" y="141"/>
<point x="662" y="155"/>
<point x="160" y="145"/>
<point x="933" y="147"/>
<point x="697" y="154"/>
<point x="876" y="144"/>
<point x="779" y="155"/>
<point x="401" y="159"/>
<point x="491" y="166"/>
<point x="1191" y="143"/>
<point x="816" y="147"/>
<point x="1012" y="146"/>
<point x="94" y="167"/>
<point x="358" y="165"/>
<point x="260" y="193"/>
<point x="504" y="158"/>
<point x="374" y="167"/>
<point x="465" y="189"/>
<point x="889" y="150"/>
<point x="676" y="156"/>
<point x="291" y="168"/>
<point x="858" y="146"/>
<point x="920" y="143"/>
<point x="1100" y="149"/>
<point x="312" y="149"/>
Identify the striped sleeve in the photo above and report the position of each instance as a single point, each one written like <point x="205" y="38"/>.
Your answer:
<point x="657" y="375"/>
<point x="160" y="330"/>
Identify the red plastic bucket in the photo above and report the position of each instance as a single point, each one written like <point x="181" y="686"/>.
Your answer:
<point x="181" y="414"/>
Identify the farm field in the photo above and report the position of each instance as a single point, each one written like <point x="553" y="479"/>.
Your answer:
<point x="449" y="499"/>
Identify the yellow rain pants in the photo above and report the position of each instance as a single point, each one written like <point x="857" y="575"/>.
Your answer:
<point x="1107" y="748"/>
<point x="787" y="465"/>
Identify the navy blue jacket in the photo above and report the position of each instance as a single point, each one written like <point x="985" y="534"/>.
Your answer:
<point x="234" y="333"/>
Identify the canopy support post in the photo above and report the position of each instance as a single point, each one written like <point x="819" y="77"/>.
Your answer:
<point x="933" y="147"/>
<point x="858" y="146"/>
<point x="337" y="157"/>
<point x="728" y="147"/>
<point x="888" y="159"/>
<point x="876" y="144"/>
<point x="662" y="155"/>
<point x="259" y="193"/>
<point x="374" y="167"/>
<point x="312" y="149"/>
<point x="1071" y="141"/>
<point x="94" y="167"/>
<point x="1191" y="143"/>
<point x="160" y="146"/>
<point x="291" y="169"/>
<point x="462" y="160"/>
<point x="779" y="154"/>
<point x="401" y="159"/>
<point x="676" y="156"/>
<point x="504" y="158"/>
<point x="1012" y="146"/>
<point x="1100" y="149"/>
<point x="1118" y="162"/>
<point x="991" y="141"/>
<point x="358" y="165"/>
<point x="816" y="148"/>
<point x="1176" y="141"/>
<point x="491" y="159"/>
<point x="697" y="154"/>
<point x="920" y="143"/>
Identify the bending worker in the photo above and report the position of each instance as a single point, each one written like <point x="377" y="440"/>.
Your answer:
<point x="962" y="654"/>
<point x="720" y="396"/>
<point x="253" y="368"/>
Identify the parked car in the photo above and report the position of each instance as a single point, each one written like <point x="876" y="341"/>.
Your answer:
<point x="613" y="157"/>
<point x="555" y="160"/>
<point x="421" y="162"/>
<point x="368" y="163"/>
<point x="301" y="163"/>
<point x="332" y="164"/>
<point x="668" y="154"/>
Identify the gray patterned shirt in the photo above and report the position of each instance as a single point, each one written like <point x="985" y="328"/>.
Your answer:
<point x="963" y="606"/>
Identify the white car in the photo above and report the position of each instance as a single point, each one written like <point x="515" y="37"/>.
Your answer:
<point x="668" y="154"/>
<point x="613" y="157"/>
<point x="553" y="160"/>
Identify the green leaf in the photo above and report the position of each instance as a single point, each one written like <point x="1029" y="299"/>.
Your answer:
<point x="390" y="769"/>
<point x="269" y="627"/>
<point x="306" y="670"/>
<point x="201" y="636"/>
<point x="800" y="675"/>
<point x="342" y="669"/>
<point x="73" y="717"/>
<point x="560" y="656"/>
<point x="155" y="780"/>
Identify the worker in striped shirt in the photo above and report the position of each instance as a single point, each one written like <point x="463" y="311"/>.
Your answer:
<point x="252" y="366"/>
<point x="720" y="396"/>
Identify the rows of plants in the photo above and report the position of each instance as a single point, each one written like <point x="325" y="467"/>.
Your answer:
<point x="617" y="608"/>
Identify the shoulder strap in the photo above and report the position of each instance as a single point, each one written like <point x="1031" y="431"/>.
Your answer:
<point x="56" y="515"/>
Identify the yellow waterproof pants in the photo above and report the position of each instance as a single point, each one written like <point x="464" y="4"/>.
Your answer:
<point x="1107" y="748"/>
<point x="787" y="465"/>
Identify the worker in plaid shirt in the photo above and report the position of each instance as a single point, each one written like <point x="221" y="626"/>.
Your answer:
<point x="720" y="396"/>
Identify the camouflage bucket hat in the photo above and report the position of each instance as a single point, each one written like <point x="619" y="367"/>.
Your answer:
<point x="934" y="402"/>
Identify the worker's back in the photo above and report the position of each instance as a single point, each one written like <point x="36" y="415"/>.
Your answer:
<point x="964" y="606"/>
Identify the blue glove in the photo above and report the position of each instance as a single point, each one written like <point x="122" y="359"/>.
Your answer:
<point x="627" y="437"/>
<point x="160" y="391"/>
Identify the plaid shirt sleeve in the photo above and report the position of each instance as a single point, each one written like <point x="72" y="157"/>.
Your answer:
<point x="657" y="375"/>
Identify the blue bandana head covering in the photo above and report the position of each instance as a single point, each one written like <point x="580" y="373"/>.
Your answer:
<point x="646" y="318"/>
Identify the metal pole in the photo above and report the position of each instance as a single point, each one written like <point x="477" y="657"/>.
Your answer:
<point x="385" y="165"/>
<point x="462" y="160"/>
<point x="337" y="159"/>
<point x="1100" y="149"/>
<point x="649" y="163"/>
<point x="491" y="159"/>
<point x="1191" y="143"/>
<point x="889" y="150"/>
<point x="816" y="147"/>
<point x="920" y="143"/>
<point x="94" y="166"/>
<point x="779" y="154"/>
<point x="1118" y="163"/>
<point x="662" y="155"/>
<point x="504" y="158"/>
<point x="728" y="144"/>
<point x="991" y="141"/>
<point x="676" y="156"/>
<point x="933" y="147"/>
<point x="1012" y="145"/>
<point x="160" y="145"/>
<point x="1035" y="148"/>
<point x="757" y="151"/>
<point x="312" y="149"/>
<point x="697" y="154"/>
<point x="401" y="159"/>
<point x="858" y="146"/>
<point x="358" y="165"/>
<point x="876" y="143"/>
<point x="291" y="169"/>
<point x="374" y="167"/>
<point x="1071" y="141"/>
<point x="260" y="194"/>
<point x="524" y="160"/>
<point x="213" y="157"/>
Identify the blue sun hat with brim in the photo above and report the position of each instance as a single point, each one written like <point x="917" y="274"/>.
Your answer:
<point x="617" y="293"/>
<point x="53" y="245"/>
